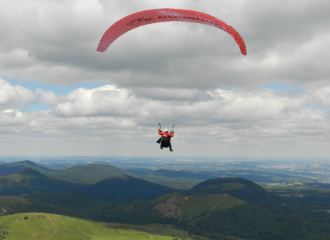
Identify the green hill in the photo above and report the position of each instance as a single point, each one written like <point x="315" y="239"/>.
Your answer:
<point x="251" y="221"/>
<point x="29" y="181"/>
<point x="127" y="188"/>
<point x="41" y="226"/>
<point x="119" y="188"/>
<point x="238" y="187"/>
<point x="221" y="216"/>
<point x="88" y="174"/>
<point x="217" y="216"/>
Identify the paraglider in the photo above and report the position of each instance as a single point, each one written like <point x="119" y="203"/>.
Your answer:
<point x="143" y="18"/>
<point x="165" y="139"/>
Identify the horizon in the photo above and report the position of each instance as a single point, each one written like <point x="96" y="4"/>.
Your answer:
<point x="168" y="158"/>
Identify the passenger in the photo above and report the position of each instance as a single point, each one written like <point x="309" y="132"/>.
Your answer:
<point x="165" y="140"/>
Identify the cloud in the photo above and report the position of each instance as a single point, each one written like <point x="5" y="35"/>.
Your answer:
<point x="166" y="72"/>
<point x="14" y="95"/>
<point x="106" y="100"/>
<point x="115" y="116"/>
<point x="320" y="96"/>
<point x="47" y="97"/>
<point x="55" y="42"/>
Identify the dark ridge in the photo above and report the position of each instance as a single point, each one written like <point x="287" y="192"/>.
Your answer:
<point x="32" y="172"/>
<point x="67" y="199"/>
<point x="126" y="188"/>
<point x="89" y="174"/>
<point x="16" y="167"/>
<point x="4" y="170"/>
<point x="30" y="181"/>
<point x="27" y="162"/>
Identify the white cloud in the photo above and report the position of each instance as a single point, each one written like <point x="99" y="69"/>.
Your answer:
<point x="106" y="100"/>
<point x="166" y="72"/>
<point x="320" y="96"/>
<point x="47" y="97"/>
<point x="111" y="116"/>
<point x="14" y="95"/>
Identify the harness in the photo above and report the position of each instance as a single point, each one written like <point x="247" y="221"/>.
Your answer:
<point x="164" y="140"/>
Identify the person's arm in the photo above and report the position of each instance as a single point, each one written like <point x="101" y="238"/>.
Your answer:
<point x="172" y="134"/>
<point x="159" y="131"/>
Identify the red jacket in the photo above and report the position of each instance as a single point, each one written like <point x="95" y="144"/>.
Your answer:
<point x="165" y="134"/>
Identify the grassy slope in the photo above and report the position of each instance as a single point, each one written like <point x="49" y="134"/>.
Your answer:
<point x="251" y="221"/>
<point x="50" y="226"/>
<point x="158" y="229"/>
<point x="236" y="218"/>
<point x="199" y="205"/>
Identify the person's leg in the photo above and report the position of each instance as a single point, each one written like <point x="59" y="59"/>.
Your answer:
<point x="170" y="146"/>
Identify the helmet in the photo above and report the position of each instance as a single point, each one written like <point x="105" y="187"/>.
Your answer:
<point x="165" y="130"/>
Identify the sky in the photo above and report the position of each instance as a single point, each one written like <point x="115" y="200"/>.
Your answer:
<point x="60" y="97"/>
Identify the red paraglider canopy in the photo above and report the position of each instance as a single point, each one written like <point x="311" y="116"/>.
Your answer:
<point x="165" y="15"/>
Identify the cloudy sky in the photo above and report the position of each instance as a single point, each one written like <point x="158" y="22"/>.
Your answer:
<point x="59" y="96"/>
